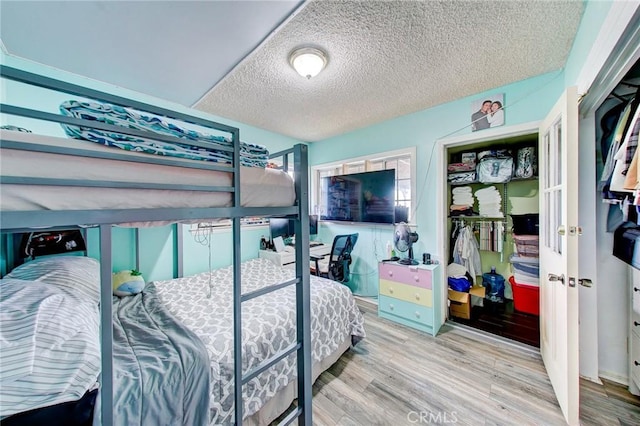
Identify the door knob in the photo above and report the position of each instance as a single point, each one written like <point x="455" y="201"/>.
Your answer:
<point x="554" y="277"/>
<point x="561" y="230"/>
<point x="585" y="282"/>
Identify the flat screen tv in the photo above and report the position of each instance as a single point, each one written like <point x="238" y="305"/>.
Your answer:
<point x="360" y="197"/>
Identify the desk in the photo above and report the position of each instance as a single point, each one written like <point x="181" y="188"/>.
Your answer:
<point x="287" y="259"/>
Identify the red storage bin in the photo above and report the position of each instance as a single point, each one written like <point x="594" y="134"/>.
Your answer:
<point x="526" y="298"/>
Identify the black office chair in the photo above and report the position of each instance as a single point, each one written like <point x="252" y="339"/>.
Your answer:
<point x="336" y="268"/>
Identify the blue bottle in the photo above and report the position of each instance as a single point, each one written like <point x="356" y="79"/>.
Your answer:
<point x="494" y="285"/>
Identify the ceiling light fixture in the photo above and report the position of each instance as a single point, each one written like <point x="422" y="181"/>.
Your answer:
<point x="308" y="61"/>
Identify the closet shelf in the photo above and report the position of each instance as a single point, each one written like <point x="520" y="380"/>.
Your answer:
<point x="478" y="217"/>
<point x="490" y="183"/>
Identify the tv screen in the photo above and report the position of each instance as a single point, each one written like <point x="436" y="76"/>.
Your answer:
<point x="360" y="197"/>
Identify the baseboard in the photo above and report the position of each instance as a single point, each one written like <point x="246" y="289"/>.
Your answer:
<point x="613" y="377"/>
<point x="489" y="336"/>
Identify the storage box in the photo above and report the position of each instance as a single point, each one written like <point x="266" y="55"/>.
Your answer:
<point x="460" y="303"/>
<point x="525" y="224"/>
<point x="527" y="245"/>
<point x="526" y="298"/>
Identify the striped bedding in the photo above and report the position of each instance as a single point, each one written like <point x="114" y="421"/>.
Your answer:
<point x="251" y="155"/>
<point x="50" y="350"/>
<point x="49" y="346"/>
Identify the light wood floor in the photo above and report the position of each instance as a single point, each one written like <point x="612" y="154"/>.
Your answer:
<point x="399" y="376"/>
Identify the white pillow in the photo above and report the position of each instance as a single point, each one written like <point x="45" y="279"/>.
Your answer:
<point x="79" y="276"/>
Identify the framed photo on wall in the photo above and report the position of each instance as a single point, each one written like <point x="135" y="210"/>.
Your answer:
<point x="487" y="112"/>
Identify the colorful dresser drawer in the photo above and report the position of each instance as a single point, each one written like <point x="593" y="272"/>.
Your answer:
<point x="406" y="313"/>
<point x="409" y="293"/>
<point x="406" y="274"/>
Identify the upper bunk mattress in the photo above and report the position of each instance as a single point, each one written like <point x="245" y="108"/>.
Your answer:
<point x="258" y="187"/>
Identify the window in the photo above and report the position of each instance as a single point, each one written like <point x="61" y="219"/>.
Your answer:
<point x="226" y="224"/>
<point x="403" y="162"/>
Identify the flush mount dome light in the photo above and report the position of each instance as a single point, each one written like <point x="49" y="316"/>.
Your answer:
<point x="308" y="61"/>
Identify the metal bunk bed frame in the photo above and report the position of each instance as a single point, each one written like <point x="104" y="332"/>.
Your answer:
<point x="24" y="221"/>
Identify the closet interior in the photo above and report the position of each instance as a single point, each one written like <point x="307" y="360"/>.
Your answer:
<point x="617" y="159"/>
<point x="492" y="228"/>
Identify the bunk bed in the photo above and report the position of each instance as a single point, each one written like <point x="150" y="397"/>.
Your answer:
<point x="53" y="183"/>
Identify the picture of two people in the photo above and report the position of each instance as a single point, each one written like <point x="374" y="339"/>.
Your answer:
<point x="487" y="112"/>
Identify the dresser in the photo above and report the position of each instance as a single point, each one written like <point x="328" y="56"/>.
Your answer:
<point x="634" y="335"/>
<point x="411" y="295"/>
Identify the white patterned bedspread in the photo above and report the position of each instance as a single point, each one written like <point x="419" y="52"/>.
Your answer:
<point x="269" y="326"/>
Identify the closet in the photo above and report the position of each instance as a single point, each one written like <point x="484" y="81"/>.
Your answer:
<point x="617" y="121"/>
<point x="491" y="186"/>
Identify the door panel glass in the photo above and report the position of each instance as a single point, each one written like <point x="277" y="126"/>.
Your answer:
<point x="558" y="162"/>
<point x="558" y="215"/>
<point x="547" y="154"/>
<point x="546" y="232"/>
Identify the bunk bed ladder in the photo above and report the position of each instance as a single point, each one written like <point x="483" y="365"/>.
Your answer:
<point x="302" y="346"/>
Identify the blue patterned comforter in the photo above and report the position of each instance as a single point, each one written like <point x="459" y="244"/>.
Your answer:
<point x="251" y="155"/>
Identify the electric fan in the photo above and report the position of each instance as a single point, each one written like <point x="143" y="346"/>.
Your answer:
<point x="403" y="239"/>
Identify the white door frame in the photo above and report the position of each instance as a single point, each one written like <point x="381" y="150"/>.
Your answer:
<point x="615" y="50"/>
<point x="442" y="209"/>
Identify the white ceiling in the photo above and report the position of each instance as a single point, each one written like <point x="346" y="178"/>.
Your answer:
<point x="230" y="58"/>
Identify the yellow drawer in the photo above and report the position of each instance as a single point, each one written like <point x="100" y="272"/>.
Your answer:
<point x="409" y="293"/>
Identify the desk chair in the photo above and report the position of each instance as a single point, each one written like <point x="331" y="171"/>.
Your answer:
<point x="336" y="267"/>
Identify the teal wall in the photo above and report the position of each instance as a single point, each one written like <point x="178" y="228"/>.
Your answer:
<point x="592" y="18"/>
<point x="156" y="244"/>
<point x="525" y="101"/>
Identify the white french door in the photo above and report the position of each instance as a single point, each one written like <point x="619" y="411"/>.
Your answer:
<point x="559" y="244"/>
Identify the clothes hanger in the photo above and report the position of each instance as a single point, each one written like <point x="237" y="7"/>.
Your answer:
<point x="620" y="97"/>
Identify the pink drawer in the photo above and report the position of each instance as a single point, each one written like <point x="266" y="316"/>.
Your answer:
<point x="411" y="275"/>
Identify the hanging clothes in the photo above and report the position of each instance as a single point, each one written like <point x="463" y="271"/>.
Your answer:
<point x="624" y="156"/>
<point x="631" y="179"/>
<point x="466" y="252"/>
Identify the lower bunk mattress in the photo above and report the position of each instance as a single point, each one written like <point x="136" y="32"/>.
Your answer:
<point x="260" y="187"/>
<point x="173" y="343"/>
<point x="204" y="304"/>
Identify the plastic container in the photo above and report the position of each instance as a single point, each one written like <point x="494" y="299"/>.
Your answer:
<point x="529" y="269"/>
<point x="527" y="245"/>
<point x="526" y="224"/>
<point x="526" y="298"/>
<point x="494" y="284"/>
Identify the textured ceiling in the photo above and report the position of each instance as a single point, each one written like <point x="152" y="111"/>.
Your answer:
<point x="386" y="59"/>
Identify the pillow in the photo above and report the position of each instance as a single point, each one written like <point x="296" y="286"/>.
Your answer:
<point x="127" y="283"/>
<point x="77" y="275"/>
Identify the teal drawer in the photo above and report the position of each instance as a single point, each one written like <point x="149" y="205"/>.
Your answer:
<point x="417" y="316"/>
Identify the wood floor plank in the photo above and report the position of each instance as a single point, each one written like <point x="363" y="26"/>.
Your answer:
<point x="397" y="374"/>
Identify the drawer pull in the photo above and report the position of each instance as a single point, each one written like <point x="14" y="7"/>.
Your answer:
<point x="417" y="314"/>
<point x="417" y="296"/>
<point x="636" y="323"/>
<point x="390" y="273"/>
<point x="417" y="278"/>
<point x="636" y="289"/>
<point x="391" y="290"/>
<point x="636" y="363"/>
<point x="391" y="306"/>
